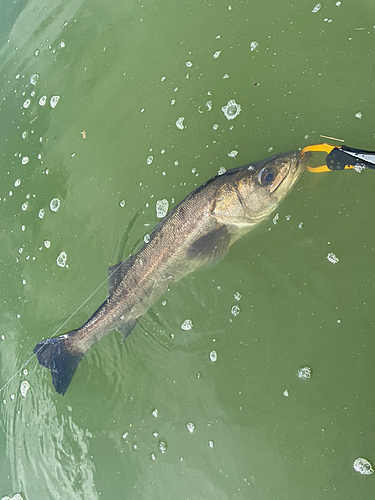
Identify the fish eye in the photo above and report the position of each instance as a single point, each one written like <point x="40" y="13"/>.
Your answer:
<point x="266" y="176"/>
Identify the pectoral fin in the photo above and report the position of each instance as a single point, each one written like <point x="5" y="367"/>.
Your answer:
<point x="210" y="248"/>
<point x="127" y="327"/>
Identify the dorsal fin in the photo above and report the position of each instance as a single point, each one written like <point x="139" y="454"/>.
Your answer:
<point x="117" y="272"/>
<point x="210" y="248"/>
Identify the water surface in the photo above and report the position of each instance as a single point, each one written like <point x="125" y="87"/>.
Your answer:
<point x="110" y="108"/>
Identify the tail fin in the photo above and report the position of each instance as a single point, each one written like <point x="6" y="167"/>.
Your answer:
<point x="55" y="355"/>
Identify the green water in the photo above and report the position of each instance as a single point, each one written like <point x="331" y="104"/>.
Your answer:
<point x="124" y="73"/>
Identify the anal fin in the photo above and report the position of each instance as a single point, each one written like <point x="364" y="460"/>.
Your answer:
<point x="210" y="248"/>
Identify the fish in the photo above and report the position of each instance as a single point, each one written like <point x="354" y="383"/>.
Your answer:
<point x="197" y="232"/>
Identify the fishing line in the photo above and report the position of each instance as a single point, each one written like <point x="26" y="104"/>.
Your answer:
<point x="70" y="317"/>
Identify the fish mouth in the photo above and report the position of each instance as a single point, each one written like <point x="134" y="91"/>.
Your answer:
<point x="298" y="166"/>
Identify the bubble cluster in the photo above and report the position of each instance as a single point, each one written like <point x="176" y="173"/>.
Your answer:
<point x="316" y="8"/>
<point x="162" y="208"/>
<point x="25" y="386"/>
<point x="61" y="259"/>
<point x="54" y="101"/>
<point x="213" y="356"/>
<point x="162" y="446"/>
<point x="363" y="466"/>
<point x="305" y="372"/>
<point x="190" y="427"/>
<point x="54" y="204"/>
<point x="180" y="123"/>
<point x="235" y="310"/>
<point x="187" y="325"/>
<point x="231" y="110"/>
<point x="34" y="78"/>
<point x="331" y="257"/>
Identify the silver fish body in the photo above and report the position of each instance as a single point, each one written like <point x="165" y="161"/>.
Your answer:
<point x="197" y="232"/>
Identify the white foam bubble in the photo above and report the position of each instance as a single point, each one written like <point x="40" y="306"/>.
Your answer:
<point x="213" y="356"/>
<point x="54" y="204"/>
<point x="231" y="110"/>
<point x="363" y="466"/>
<point x="34" y="78"/>
<point x="162" y="446"/>
<point x="187" y="325"/>
<point x="316" y="8"/>
<point x="61" y="259"/>
<point x="43" y="100"/>
<point x="190" y="427"/>
<point x="180" y="123"/>
<point x="54" y="101"/>
<point x="331" y="257"/>
<point x="162" y="208"/>
<point x="304" y="372"/>
<point x="235" y="310"/>
<point x="25" y="386"/>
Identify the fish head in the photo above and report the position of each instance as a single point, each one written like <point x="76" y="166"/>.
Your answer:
<point x="266" y="183"/>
